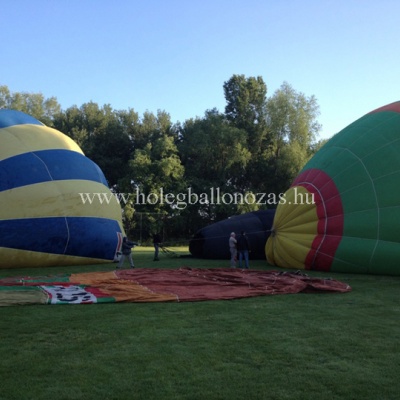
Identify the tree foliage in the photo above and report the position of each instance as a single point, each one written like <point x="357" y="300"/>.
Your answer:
<point x="258" y="145"/>
<point x="33" y="104"/>
<point x="246" y="107"/>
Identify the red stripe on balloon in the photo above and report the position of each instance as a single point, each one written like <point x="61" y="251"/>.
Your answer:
<point x="330" y="218"/>
<point x="395" y="107"/>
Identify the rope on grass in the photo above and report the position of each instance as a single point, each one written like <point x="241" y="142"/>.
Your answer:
<point x="169" y="253"/>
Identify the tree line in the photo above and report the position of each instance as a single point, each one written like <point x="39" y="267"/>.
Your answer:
<point x="227" y="159"/>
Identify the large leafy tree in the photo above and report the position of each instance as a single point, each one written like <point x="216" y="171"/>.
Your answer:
<point x="292" y="117"/>
<point x="292" y="126"/>
<point x="280" y="130"/>
<point x="246" y="107"/>
<point x="246" y="100"/>
<point x="215" y="155"/>
<point x="155" y="170"/>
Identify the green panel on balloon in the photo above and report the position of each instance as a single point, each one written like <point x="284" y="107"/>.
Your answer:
<point x="388" y="190"/>
<point x="343" y="266"/>
<point x="368" y="142"/>
<point x="389" y="162"/>
<point x="353" y="255"/>
<point x="386" y="258"/>
<point x="384" y="161"/>
<point x="348" y="137"/>
<point x="362" y="224"/>
<point x="327" y="160"/>
<point x="351" y="177"/>
<point x="389" y="229"/>
<point x="389" y="127"/>
<point x="359" y="198"/>
<point x="324" y="159"/>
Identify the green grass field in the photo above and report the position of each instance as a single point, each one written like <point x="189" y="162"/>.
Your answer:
<point x="303" y="346"/>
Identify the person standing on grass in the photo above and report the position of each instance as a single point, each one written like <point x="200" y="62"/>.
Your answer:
<point x="243" y="248"/>
<point x="156" y="243"/>
<point x="126" y="251"/>
<point x="232" y="249"/>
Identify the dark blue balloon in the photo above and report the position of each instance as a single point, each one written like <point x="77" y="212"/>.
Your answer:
<point x="212" y="241"/>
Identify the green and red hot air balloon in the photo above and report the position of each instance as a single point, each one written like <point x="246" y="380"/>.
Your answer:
<point x="342" y="212"/>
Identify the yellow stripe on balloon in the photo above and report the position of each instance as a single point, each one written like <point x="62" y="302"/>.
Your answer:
<point x="288" y="246"/>
<point x="290" y="259"/>
<point x="62" y="198"/>
<point x="21" y="140"/>
<point x="16" y="258"/>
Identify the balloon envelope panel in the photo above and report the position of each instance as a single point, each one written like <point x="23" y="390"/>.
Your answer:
<point x="212" y="241"/>
<point x="356" y="213"/>
<point x="44" y="220"/>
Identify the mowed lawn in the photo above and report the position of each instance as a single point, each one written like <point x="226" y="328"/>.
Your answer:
<point x="302" y="346"/>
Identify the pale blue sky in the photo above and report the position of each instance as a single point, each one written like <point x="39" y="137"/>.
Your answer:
<point x="175" y="55"/>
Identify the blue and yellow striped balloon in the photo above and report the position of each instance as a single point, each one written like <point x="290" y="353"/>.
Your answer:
<point x="43" y="219"/>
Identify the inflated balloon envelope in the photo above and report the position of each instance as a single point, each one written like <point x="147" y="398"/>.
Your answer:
<point x="342" y="212"/>
<point x="43" y="218"/>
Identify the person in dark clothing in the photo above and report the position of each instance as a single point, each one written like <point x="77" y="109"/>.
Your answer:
<point x="156" y="243"/>
<point x="243" y="248"/>
<point x="126" y="251"/>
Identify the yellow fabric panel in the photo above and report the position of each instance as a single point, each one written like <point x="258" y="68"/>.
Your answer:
<point x="298" y="250"/>
<point x="13" y="258"/>
<point x="20" y="139"/>
<point x="269" y="252"/>
<point x="282" y="258"/>
<point x="278" y="245"/>
<point x="55" y="199"/>
<point x="307" y="214"/>
<point x="297" y="231"/>
<point x="22" y="297"/>
<point x="89" y="278"/>
<point x="292" y="209"/>
<point x="120" y="289"/>
<point x="294" y="230"/>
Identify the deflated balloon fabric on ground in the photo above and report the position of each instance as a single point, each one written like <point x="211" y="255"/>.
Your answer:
<point x="159" y="285"/>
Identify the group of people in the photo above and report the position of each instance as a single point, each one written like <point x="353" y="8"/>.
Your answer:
<point x="239" y="247"/>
